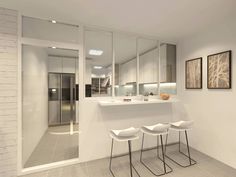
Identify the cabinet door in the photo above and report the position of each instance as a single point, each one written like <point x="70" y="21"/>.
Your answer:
<point x="132" y="70"/>
<point x="128" y="72"/>
<point x="148" y="67"/>
<point x="155" y="68"/>
<point x="55" y="64"/>
<point x="163" y="62"/>
<point x="68" y="65"/>
<point x="141" y="69"/>
<point x="122" y="74"/>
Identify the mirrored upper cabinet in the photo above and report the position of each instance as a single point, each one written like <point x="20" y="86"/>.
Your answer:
<point x="148" y="66"/>
<point x="168" y="68"/>
<point x="98" y="61"/>
<point x="125" y="65"/>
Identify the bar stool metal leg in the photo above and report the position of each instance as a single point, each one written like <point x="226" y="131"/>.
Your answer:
<point x="163" y="156"/>
<point x="179" y="141"/>
<point x="186" y="135"/>
<point x="112" y="142"/>
<point x="130" y="159"/>
<point x="191" y="161"/>
<point x="158" y="148"/>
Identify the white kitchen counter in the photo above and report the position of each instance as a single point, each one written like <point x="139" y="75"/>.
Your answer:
<point x="98" y="116"/>
<point x="135" y="102"/>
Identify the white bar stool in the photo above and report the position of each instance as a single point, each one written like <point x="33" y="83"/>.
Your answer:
<point x="157" y="130"/>
<point x="182" y="126"/>
<point x="127" y="135"/>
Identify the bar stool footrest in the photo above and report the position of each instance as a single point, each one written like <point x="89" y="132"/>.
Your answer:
<point x="193" y="162"/>
<point x="170" y="169"/>
<point x="132" y="167"/>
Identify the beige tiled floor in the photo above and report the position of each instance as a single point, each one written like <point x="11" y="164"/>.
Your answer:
<point x="56" y="145"/>
<point x="206" y="167"/>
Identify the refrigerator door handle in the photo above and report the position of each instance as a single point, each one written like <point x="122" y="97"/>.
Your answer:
<point x="71" y="98"/>
<point x="61" y="90"/>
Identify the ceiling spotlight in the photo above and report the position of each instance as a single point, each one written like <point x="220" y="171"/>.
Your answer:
<point x="54" y="21"/>
<point x="97" y="67"/>
<point x="95" y="52"/>
<point x="54" y="47"/>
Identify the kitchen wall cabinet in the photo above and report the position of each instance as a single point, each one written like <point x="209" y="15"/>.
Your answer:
<point x="127" y="72"/>
<point x="148" y="67"/>
<point x="168" y="63"/>
<point x="61" y="65"/>
<point x="54" y="64"/>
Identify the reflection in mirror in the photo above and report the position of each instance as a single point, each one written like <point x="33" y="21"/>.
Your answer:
<point x="125" y="65"/>
<point x="98" y="75"/>
<point x="168" y="68"/>
<point x="49" y="121"/>
<point x="148" y="66"/>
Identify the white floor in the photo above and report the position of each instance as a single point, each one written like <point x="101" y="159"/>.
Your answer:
<point x="58" y="143"/>
<point x="205" y="167"/>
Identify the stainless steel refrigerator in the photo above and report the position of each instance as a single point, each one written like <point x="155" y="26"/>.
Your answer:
<point x="61" y="98"/>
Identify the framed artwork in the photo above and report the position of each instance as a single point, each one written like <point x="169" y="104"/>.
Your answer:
<point x="193" y="74"/>
<point x="219" y="70"/>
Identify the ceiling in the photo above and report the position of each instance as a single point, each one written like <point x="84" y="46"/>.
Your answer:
<point x="170" y="20"/>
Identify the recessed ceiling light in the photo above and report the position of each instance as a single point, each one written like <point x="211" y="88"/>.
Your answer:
<point x="54" y="90"/>
<point x="54" y="47"/>
<point x="97" y="67"/>
<point x="54" y="21"/>
<point x="95" y="52"/>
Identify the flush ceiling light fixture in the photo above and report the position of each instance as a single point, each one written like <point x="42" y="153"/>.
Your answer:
<point x="95" y="52"/>
<point x="54" y="47"/>
<point x="97" y="67"/>
<point x="54" y="21"/>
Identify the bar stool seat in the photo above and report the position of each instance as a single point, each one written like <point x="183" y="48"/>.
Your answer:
<point x="182" y="126"/>
<point x="124" y="135"/>
<point x="157" y="130"/>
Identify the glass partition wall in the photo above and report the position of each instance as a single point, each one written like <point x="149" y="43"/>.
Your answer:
<point x="168" y="68"/>
<point x="115" y="64"/>
<point x="125" y="65"/>
<point x="148" y="66"/>
<point x="139" y="65"/>
<point x="50" y="121"/>
<point x="98" y="63"/>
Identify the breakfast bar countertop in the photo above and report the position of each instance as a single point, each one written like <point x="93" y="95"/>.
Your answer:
<point x="117" y="102"/>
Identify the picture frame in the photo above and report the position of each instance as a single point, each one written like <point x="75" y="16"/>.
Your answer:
<point x="193" y="73"/>
<point x="219" y="70"/>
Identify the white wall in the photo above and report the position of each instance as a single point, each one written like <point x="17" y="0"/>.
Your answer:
<point x="35" y="97"/>
<point x="96" y="122"/>
<point x="8" y="92"/>
<point x="213" y="111"/>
